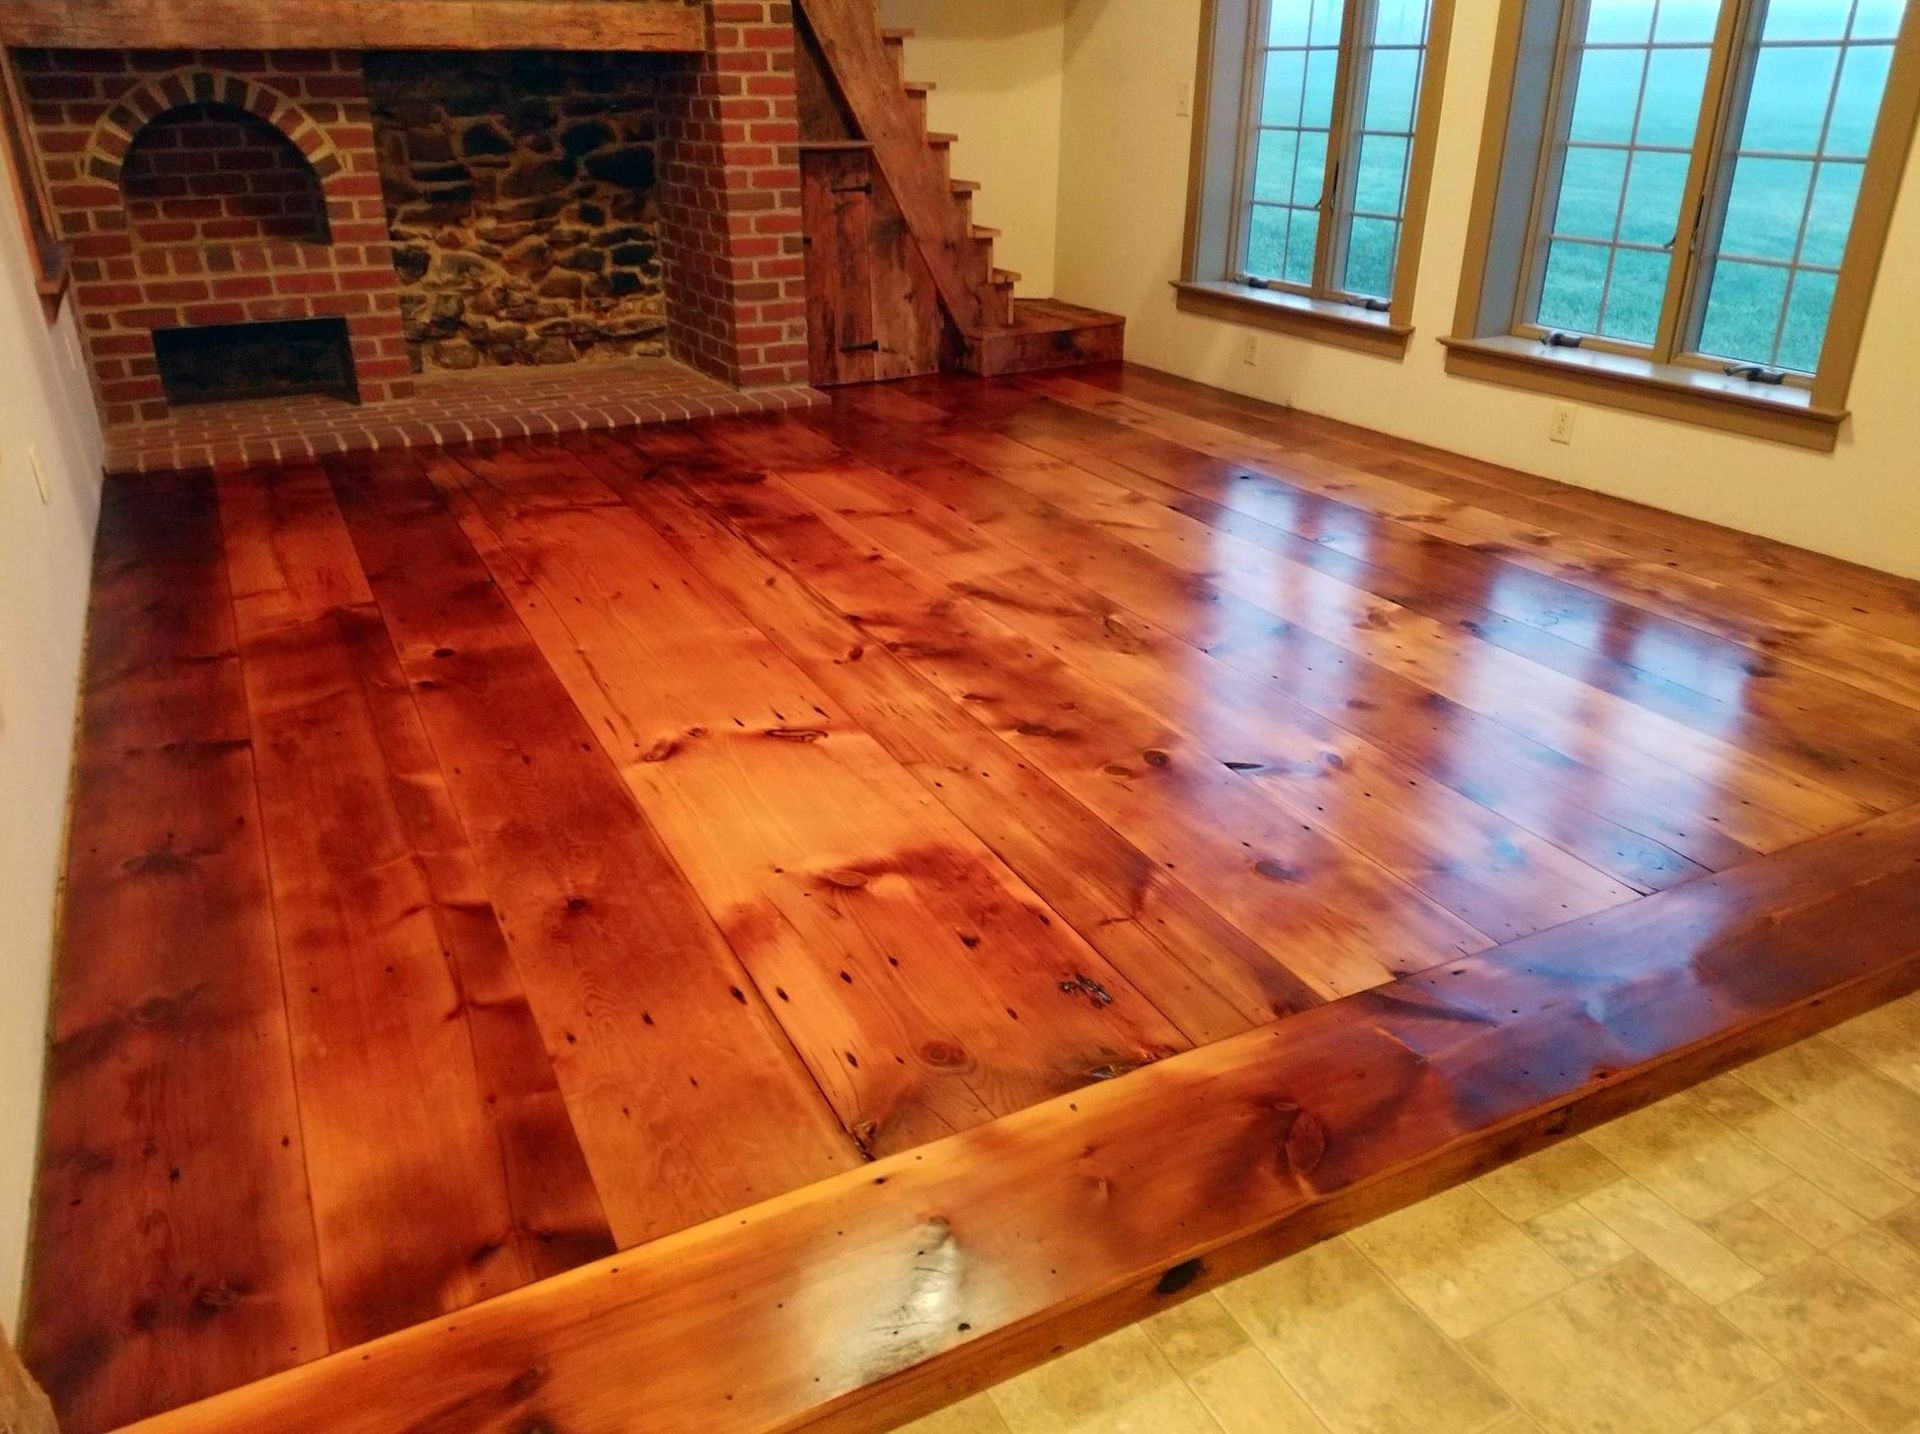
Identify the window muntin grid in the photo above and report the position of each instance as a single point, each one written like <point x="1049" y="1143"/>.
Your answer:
<point x="1614" y="190"/>
<point x="1311" y="119"/>
<point x="1389" y="75"/>
<point x="1814" y="76"/>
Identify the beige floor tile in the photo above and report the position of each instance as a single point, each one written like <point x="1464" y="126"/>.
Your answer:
<point x="970" y="1416"/>
<point x="1885" y="1261"/>
<point x="1869" y="1113"/>
<point x="1858" y="1347"/>
<point x="1672" y="1241"/>
<point x="1516" y="1423"/>
<point x="1906" y="1224"/>
<point x="1757" y="1238"/>
<point x="1578" y="1239"/>
<point x="1810" y="1213"/>
<point x="1730" y="1099"/>
<point x="1365" y="1360"/>
<point x="1196" y="1334"/>
<point x="1246" y="1395"/>
<point x="1790" y="1407"/>
<point x="1697" y="1164"/>
<point x="1887" y="1039"/>
<point x="1117" y="1385"/>
<point x="1547" y="1179"/>
<point x="1630" y="1351"/>
<point x="1821" y="1161"/>
<point x="1460" y="1261"/>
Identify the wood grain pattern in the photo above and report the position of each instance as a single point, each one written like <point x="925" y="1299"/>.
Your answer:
<point x="356" y="24"/>
<point x="921" y="1281"/>
<point x="486" y="862"/>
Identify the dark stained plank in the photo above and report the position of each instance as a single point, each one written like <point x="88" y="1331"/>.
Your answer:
<point x="1120" y="545"/>
<point x="1824" y="731"/>
<point x="1495" y="876"/>
<point x="173" y="1251"/>
<point x="1210" y="979"/>
<point x="1334" y="918"/>
<point x="927" y="988"/>
<point x="442" y="1164"/>
<point x="686" y="1097"/>
<point x="836" y="188"/>
<point x="1874" y="664"/>
<point x="921" y="1281"/>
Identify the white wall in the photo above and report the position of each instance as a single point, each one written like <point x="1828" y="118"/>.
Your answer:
<point x="997" y="68"/>
<point x="46" y="551"/>
<point x="1123" y="164"/>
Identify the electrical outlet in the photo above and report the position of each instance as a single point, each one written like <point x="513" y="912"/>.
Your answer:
<point x="1250" y="351"/>
<point x="39" y="475"/>
<point x="1561" y="429"/>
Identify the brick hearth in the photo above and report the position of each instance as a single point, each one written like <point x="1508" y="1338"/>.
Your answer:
<point x="443" y="410"/>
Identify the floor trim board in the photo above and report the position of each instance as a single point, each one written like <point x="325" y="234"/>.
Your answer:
<point x="883" y="1293"/>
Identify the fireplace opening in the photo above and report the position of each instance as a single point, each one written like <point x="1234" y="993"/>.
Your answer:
<point x="224" y="362"/>
<point x="213" y="173"/>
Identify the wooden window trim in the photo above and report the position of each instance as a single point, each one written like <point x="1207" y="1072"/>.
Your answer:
<point x="1214" y="295"/>
<point x="1808" y="413"/>
<point x="52" y="274"/>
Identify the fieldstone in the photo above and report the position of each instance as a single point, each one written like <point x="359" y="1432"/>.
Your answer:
<point x="563" y="286"/>
<point x="485" y="138"/>
<point x="455" y="354"/>
<point x="541" y="177"/>
<point x="553" y="350"/>
<point x="582" y="139"/>
<point x="630" y="167"/>
<point x="412" y="263"/>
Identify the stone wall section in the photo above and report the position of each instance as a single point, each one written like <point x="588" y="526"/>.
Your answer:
<point x="521" y="191"/>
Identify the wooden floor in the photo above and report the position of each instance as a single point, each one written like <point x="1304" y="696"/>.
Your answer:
<point x="487" y="862"/>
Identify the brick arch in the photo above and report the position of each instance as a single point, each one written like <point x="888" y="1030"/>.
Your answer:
<point x="113" y="136"/>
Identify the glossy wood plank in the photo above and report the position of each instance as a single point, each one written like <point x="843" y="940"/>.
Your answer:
<point x="1332" y="916"/>
<point x="1209" y="978"/>
<point x="1715" y="686"/>
<point x="1757" y="804"/>
<point x="688" y="1100"/>
<point x="1874" y="664"/>
<point x="406" y="1014"/>
<point x="1843" y="591"/>
<point x="926" y="986"/>
<point x="921" y="1281"/>
<point x="1495" y="876"/>
<point x="173" y="1250"/>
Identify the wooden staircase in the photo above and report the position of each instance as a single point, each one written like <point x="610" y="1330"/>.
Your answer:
<point x="855" y="94"/>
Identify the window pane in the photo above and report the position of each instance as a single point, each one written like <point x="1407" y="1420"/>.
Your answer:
<point x="1311" y="175"/>
<point x="1676" y="79"/>
<point x="1267" y="245"/>
<point x="1289" y="22"/>
<point x="1392" y="85"/>
<point x="1806" y="330"/>
<point x="1381" y="177"/>
<point x="1654" y="190"/>
<point x="1687" y="22"/>
<point x="1836" y="189"/>
<point x="1323" y="67"/>
<point x="1634" y="295"/>
<point x="1819" y="78"/>
<point x="1616" y="22"/>
<point x="1764" y="209"/>
<point x="1401" y="22"/>
<point x="1273" y="166"/>
<point x="1575" y="281"/>
<point x="1300" y="246"/>
<point x="1607" y="95"/>
<point x="1286" y="88"/>
<point x="1744" y="311"/>
<point x="1590" y="185"/>
<point x="1373" y="248"/>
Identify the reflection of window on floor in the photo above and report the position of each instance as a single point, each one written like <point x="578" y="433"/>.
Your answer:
<point x="1329" y="139"/>
<point x="1696" y="191"/>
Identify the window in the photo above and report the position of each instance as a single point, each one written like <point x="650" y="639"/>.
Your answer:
<point x="1696" y="187"/>
<point x="49" y="255"/>
<point x="1313" y="149"/>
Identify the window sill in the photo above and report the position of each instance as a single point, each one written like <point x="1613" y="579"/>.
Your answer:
<point x="1317" y="319"/>
<point x="1689" y="395"/>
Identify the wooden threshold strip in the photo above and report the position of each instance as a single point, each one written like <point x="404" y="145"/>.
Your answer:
<point x="882" y="1293"/>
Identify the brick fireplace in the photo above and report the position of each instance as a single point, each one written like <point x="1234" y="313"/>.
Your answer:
<point x="411" y="216"/>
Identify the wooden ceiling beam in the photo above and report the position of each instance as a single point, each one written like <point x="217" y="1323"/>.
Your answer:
<point x="356" y="24"/>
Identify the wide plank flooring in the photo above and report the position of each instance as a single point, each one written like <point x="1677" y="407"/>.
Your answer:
<point x="489" y="860"/>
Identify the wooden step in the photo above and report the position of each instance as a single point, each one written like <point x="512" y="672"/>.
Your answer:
<point x="1044" y="334"/>
<point x="940" y="139"/>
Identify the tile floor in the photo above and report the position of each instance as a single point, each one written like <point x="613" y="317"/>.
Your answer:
<point x="444" y="409"/>
<point x="1743" y="1258"/>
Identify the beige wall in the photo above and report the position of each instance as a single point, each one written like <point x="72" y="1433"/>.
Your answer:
<point x="997" y="68"/>
<point x="1123" y="204"/>
<point x="45" y="556"/>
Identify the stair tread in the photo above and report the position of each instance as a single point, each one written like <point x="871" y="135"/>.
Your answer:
<point x="964" y="186"/>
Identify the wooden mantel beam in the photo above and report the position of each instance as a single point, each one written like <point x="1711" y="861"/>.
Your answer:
<point x="356" y="24"/>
